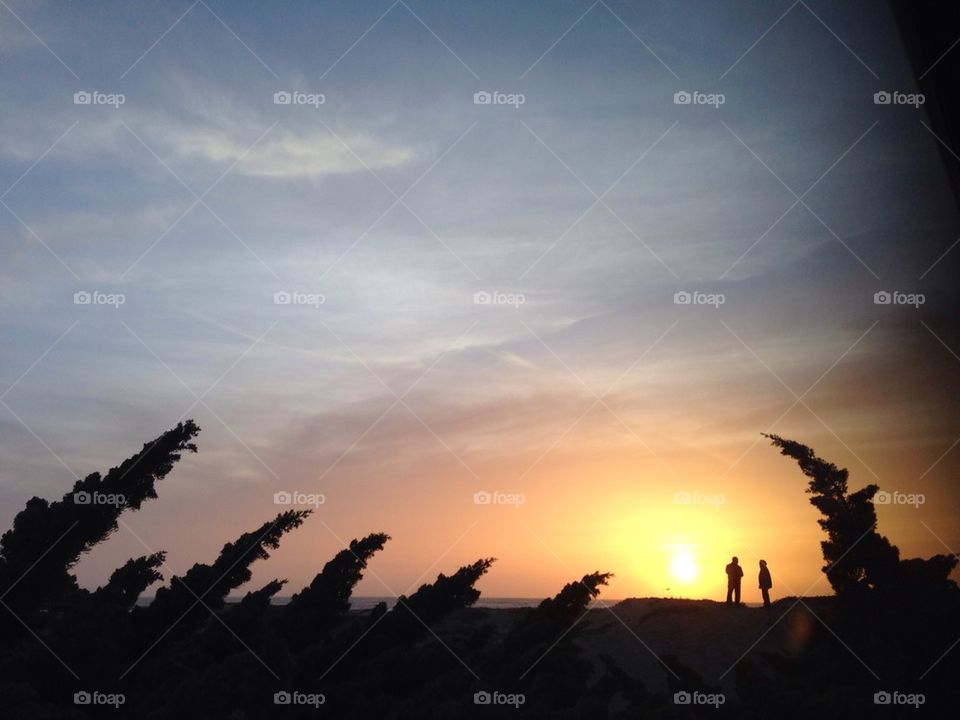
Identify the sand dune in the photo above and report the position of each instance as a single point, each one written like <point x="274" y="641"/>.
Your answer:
<point x="705" y="636"/>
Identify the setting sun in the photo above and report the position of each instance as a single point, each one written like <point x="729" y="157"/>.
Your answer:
<point x="683" y="566"/>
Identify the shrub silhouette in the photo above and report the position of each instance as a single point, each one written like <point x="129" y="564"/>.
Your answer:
<point x="313" y="610"/>
<point x="189" y="652"/>
<point x="569" y="604"/>
<point x="188" y="600"/>
<point x="66" y="528"/>
<point x="859" y="558"/>
<point x="128" y="582"/>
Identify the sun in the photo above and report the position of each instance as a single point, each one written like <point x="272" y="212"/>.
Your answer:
<point x="683" y="566"/>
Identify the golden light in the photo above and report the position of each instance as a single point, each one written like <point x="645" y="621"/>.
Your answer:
<point x="683" y="566"/>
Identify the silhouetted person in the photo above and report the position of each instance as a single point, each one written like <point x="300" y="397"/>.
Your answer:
<point x="734" y="573"/>
<point x="765" y="583"/>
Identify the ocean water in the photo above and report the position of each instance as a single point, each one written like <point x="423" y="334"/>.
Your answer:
<point x="502" y="603"/>
<point x="366" y="603"/>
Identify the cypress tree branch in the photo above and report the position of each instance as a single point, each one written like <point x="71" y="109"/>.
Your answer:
<point x="59" y="532"/>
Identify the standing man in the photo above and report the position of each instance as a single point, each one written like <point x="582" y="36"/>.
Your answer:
<point x="734" y="573"/>
<point x="765" y="583"/>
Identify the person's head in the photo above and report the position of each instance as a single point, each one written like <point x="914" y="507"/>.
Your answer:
<point x="735" y="561"/>
<point x="763" y="563"/>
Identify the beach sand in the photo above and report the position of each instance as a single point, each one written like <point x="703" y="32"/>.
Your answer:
<point x="645" y="636"/>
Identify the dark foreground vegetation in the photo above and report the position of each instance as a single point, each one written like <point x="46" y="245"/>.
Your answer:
<point x="66" y="652"/>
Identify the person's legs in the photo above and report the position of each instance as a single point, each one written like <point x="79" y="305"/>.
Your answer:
<point x="736" y="593"/>
<point x="766" y="597"/>
<point x="729" y="592"/>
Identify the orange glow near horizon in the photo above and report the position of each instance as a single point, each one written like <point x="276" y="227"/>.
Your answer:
<point x="619" y="510"/>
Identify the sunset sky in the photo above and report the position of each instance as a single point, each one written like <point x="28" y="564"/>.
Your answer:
<point x="583" y="387"/>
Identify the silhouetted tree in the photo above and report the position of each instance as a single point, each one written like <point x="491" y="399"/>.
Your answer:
<point x="59" y="532"/>
<point x="570" y="603"/>
<point x="553" y="617"/>
<point x="129" y="581"/>
<point x="411" y="617"/>
<point x="432" y="601"/>
<point x="182" y="603"/>
<point x="858" y="557"/>
<point x="247" y="619"/>
<point x="252" y="608"/>
<point x="538" y="657"/>
<point x="327" y="599"/>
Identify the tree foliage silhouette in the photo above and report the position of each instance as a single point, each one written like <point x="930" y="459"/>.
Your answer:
<point x="188" y="650"/>
<point x="571" y="602"/>
<point x="412" y="616"/>
<point x="130" y="580"/>
<point x="60" y="531"/>
<point x="447" y="593"/>
<point x="859" y="558"/>
<point x="203" y="587"/>
<point x="327" y="598"/>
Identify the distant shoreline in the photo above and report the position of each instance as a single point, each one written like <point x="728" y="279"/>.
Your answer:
<point x="362" y="603"/>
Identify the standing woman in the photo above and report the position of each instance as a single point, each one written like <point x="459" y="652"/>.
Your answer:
<point x="765" y="583"/>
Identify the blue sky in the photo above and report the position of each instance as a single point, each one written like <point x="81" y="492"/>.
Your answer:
<point x="398" y="198"/>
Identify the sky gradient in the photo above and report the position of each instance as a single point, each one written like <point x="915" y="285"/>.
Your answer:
<point x="585" y="209"/>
